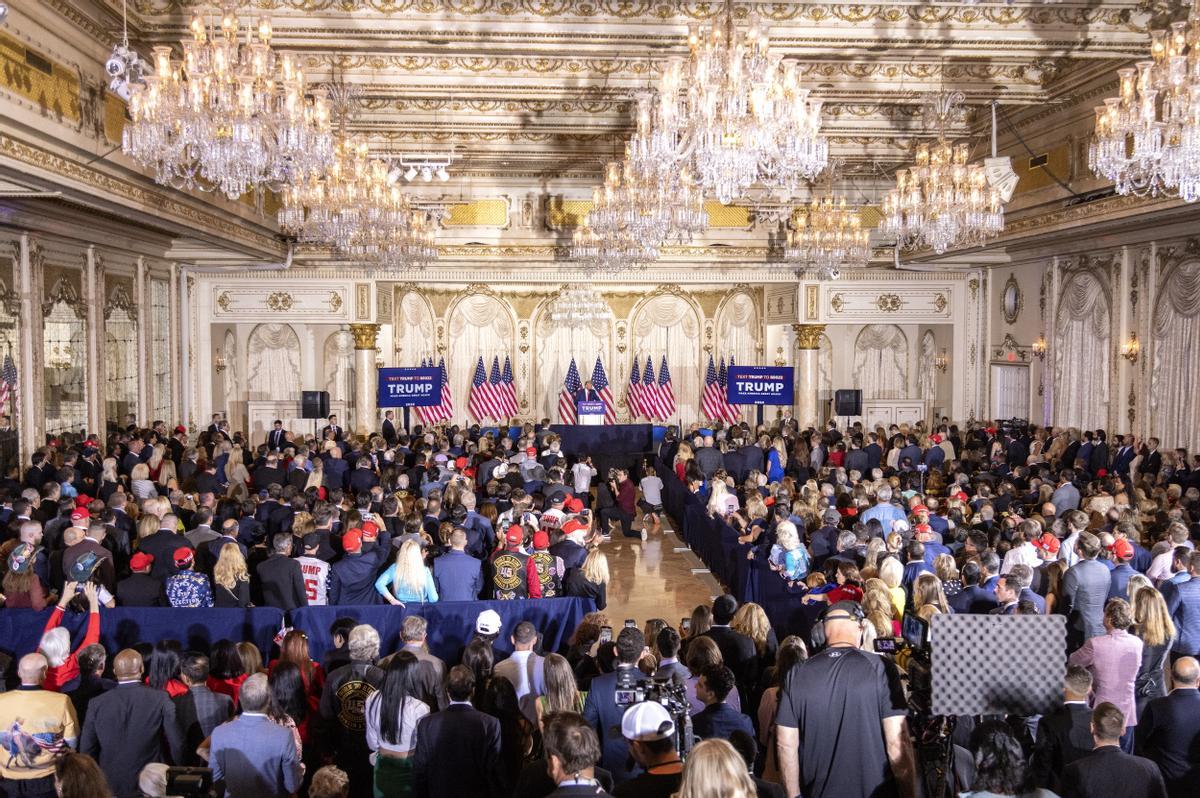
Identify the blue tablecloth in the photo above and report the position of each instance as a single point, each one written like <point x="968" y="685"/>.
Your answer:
<point x="628" y="439"/>
<point x="451" y="623"/>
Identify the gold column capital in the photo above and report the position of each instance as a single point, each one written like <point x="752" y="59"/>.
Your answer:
<point x="364" y="335"/>
<point x="808" y="336"/>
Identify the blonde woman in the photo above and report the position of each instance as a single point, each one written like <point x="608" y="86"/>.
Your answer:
<point x="720" y="501"/>
<point x="155" y="461"/>
<point x="562" y="694"/>
<point x="682" y="456"/>
<point x="776" y="460"/>
<point x="231" y="579"/>
<point x="147" y="525"/>
<point x="407" y="579"/>
<point x="877" y="604"/>
<point x="316" y="477"/>
<point x="168" y="478"/>
<point x="590" y="581"/>
<point x="751" y="621"/>
<point x="715" y="770"/>
<point x="237" y="478"/>
<point x="140" y="483"/>
<point x="928" y="596"/>
<point x="1152" y="623"/>
<point x="891" y="573"/>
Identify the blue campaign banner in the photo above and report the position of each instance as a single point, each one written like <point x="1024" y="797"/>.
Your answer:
<point x="589" y="408"/>
<point x="410" y="387"/>
<point x="760" y="385"/>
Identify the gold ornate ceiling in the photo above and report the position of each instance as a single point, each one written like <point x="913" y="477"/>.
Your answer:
<point x="539" y="89"/>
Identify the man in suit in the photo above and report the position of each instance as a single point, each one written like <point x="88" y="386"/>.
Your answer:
<point x="1168" y="732"/>
<point x="587" y="393"/>
<point x="669" y="666"/>
<point x="1085" y="590"/>
<point x="973" y="598"/>
<point x="389" y="428"/>
<point x="333" y="427"/>
<point x="352" y="578"/>
<point x="718" y="719"/>
<point x="1152" y="462"/>
<point x="363" y="477"/>
<point x="737" y="650"/>
<point x="126" y="725"/>
<point x="463" y="735"/>
<point x="1183" y="602"/>
<point x="162" y="545"/>
<point x="431" y="670"/>
<point x="1064" y="734"/>
<point x="525" y="669"/>
<point x="602" y="711"/>
<point x="336" y="470"/>
<point x="140" y="589"/>
<point x="572" y="751"/>
<point x="1007" y="595"/>
<point x="277" y="437"/>
<point x="281" y="577"/>
<point x="92" y="683"/>
<point x="252" y="755"/>
<point x="199" y="710"/>
<point x="458" y="575"/>
<point x="1066" y="495"/>
<point x="270" y="473"/>
<point x="1108" y="770"/>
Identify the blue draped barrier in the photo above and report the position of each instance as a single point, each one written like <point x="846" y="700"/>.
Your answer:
<point x="451" y="623"/>
<point x="121" y="627"/>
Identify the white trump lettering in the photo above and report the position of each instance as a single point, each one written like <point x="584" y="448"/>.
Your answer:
<point x="753" y="386"/>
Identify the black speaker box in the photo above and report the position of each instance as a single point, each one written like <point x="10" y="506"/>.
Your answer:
<point x="314" y="404"/>
<point x="847" y="402"/>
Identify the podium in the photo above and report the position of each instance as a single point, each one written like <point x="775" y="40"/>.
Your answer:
<point x="590" y="412"/>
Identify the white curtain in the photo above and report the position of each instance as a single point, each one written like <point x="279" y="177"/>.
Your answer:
<point x="232" y="375"/>
<point x="738" y="335"/>
<point x="274" y="358"/>
<point x="414" y="329"/>
<point x="1174" y="411"/>
<point x="881" y="362"/>
<point x="1081" y="360"/>
<point x="339" y="366"/>
<point x="479" y="325"/>
<point x="555" y="345"/>
<point x="670" y="325"/>
<point x="927" y="375"/>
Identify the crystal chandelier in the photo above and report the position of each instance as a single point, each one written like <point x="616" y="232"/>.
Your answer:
<point x="942" y="201"/>
<point x="735" y="113"/>
<point x="828" y="236"/>
<point x="1147" y="139"/>
<point x="578" y="306"/>
<point x="232" y="116"/>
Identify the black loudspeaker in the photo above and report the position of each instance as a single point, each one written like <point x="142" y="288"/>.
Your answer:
<point x="314" y="404"/>
<point x="847" y="402"/>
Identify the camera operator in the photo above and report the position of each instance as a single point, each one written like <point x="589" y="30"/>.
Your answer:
<point x="625" y="495"/>
<point x="609" y="696"/>
<point x="649" y="729"/>
<point x="848" y="708"/>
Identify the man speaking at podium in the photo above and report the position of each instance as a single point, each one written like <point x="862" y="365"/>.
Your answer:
<point x="587" y="393"/>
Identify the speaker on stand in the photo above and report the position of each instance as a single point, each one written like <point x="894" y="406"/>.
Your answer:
<point x="314" y="405"/>
<point x="847" y="402"/>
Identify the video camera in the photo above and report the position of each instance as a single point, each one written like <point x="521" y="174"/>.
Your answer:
<point x="672" y="695"/>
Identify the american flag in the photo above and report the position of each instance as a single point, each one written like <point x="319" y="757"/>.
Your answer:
<point x="666" y="391"/>
<point x="8" y="382"/>
<point x="424" y="413"/>
<point x="713" y="402"/>
<point x="723" y="379"/>
<point x="509" y="390"/>
<point x="477" y="402"/>
<point x="650" y="391"/>
<point x="444" y="411"/>
<point x="634" y="394"/>
<point x="495" y="391"/>
<point x="600" y="383"/>
<point x="566" y="398"/>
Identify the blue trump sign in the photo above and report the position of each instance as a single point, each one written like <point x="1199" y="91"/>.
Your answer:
<point x="410" y="387"/>
<point x="759" y="385"/>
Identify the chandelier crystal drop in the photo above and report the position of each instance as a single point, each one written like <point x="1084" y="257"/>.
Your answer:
<point x="735" y="113"/>
<point x="828" y="236"/>
<point x="942" y="201"/>
<point x="578" y="305"/>
<point x="1147" y="139"/>
<point x="231" y="116"/>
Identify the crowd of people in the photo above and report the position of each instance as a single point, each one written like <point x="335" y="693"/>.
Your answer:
<point x="868" y="527"/>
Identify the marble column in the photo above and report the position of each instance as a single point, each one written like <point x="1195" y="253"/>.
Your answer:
<point x="366" y="416"/>
<point x="94" y="334"/>
<point x="808" y="342"/>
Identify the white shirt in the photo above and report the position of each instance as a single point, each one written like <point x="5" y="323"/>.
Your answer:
<point x="316" y="579"/>
<point x="524" y="670"/>
<point x="652" y="490"/>
<point x="1067" y="552"/>
<point x="413" y="710"/>
<point x="1025" y="553"/>
<point x="583" y="473"/>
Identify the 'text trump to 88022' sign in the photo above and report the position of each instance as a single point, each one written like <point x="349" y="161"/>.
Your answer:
<point x="410" y="387"/>
<point x="759" y="385"/>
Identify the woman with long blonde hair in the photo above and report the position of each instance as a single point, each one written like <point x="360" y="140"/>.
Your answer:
<point x="168" y="477"/>
<point x="682" y="455"/>
<point x="591" y="580"/>
<point x="715" y="769"/>
<point x="1152" y="623"/>
<point x="879" y="609"/>
<point x="155" y="461"/>
<point x="140" y="483"/>
<point x="316" y="477"/>
<point x="407" y="579"/>
<point x="231" y="579"/>
<point x="237" y="478"/>
<point x="562" y="694"/>
<point x="751" y="621"/>
<point x="927" y="592"/>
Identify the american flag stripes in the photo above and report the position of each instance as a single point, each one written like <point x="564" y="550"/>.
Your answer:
<point x="8" y="383"/>
<point x="424" y="413"/>
<point x="495" y="394"/>
<point x="666" y="391"/>
<point x="566" y="398"/>
<point x="444" y="411"/>
<point x="634" y="394"/>
<point x="508" y="391"/>
<point x="477" y="403"/>
<point x="723" y="379"/>
<point x="713" y="402"/>
<point x="650" y="391"/>
<point x="600" y="383"/>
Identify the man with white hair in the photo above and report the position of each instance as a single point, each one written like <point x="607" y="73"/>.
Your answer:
<point x="884" y="511"/>
<point x="41" y="726"/>
<point x="343" y="703"/>
<point x="252" y="755"/>
<point x="708" y="457"/>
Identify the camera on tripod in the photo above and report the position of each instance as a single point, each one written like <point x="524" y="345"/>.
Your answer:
<point x="665" y="691"/>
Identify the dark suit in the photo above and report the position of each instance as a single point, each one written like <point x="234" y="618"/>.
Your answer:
<point x="602" y="714"/>
<point x="89" y="687"/>
<point x="198" y="712"/>
<point x="572" y="554"/>
<point x="1168" y="734"/>
<point x="266" y="476"/>
<point x="337" y="431"/>
<point x="720" y="720"/>
<point x="282" y="583"/>
<point x="1085" y="590"/>
<point x="1063" y="736"/>
<point x="470" y="740"/>
<point x="352" y="580"/>
<point x="141" y="590"/>
<point x="973" y="600"/>
<point x="389" y="432"/>
<point x="1152" y="463"/>
<point x="458" y="575"/>
<point x="1110" y="771"/>
<point x="276" y="439"/>
<point x="162" y="545"/>
<point x="123" y="733"/>
<point x="584" y="395"/>
<point x="335" y="474"/>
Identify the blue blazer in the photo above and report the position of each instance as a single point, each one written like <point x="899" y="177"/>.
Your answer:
<point x="255" y="757"/>
<point x="458" y="576"/>
<point x="974" y="600"/>
<point x="720" y="720"/>
<point x="602" y="714"/>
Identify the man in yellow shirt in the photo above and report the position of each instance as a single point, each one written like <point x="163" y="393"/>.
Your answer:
<point x="36" y="727"/>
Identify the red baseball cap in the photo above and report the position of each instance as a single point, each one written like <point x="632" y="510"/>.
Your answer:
<point x="183" y="556"/>
<point x="935" y="438"/>
<point x="531" y="450"/>
<point x="923" y="529"/>
<point x="515" y="535"/>
<point x="574" y="525"/>
<point x="180" y="428"/>
<point x="370" y="530"/>
<point x="541" y="540"/>
<point x="919" y="508"/>
<point x="141" y="560"/>
<point x="1122" y="549"/>
<point x="80" y="514"/>
<point x="83" y="500"/>
<point x="962" y="497"/>
<point x="573" y="504"/>
<point x="1048" y="543"/>
<point x="352" y="540"/>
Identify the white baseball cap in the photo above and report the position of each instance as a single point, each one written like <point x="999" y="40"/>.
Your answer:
<point x="488" y="623"/>
<point x="648" y="720"/>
